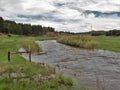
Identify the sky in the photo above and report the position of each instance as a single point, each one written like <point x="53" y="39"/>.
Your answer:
<point x="64" y="15"/>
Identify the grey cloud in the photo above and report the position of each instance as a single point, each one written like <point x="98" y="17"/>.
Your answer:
<point x="1" y="9"/>
<point x="59" y="4"/>
<point x="47" y="17"/>
<point x="41" y="17"/>
<point x="102" y="14"/>
<point x="14" y="4"/>
<point x="66" y="14"/>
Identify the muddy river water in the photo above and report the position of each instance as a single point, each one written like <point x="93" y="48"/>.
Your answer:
<point x="94" y="69"/>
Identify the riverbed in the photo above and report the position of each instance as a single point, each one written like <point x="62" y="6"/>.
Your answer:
<point x="94" y="69"/>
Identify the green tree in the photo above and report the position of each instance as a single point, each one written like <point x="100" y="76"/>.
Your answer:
<point x="7" y="26"/>
<point x="27" y="30"/>
<point x="1" y="24"/>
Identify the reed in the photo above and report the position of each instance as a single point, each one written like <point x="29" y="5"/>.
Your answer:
<point x="82" y="41"/>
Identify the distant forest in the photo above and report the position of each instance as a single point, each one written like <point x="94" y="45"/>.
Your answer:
<point x="11" y="27"/>
<point x="113" y="32"/>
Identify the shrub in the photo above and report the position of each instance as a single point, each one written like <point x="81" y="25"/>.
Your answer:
<point x="9" y="35"/>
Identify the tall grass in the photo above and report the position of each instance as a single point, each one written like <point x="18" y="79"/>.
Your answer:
<point x="30" y="43"/>
<point x="19" y="75"/>
<point x="82" y="41"/>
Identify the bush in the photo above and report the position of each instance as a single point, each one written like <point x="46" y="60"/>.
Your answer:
<point x="9" y="35"/>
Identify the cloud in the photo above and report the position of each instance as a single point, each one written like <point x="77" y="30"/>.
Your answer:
<point x="66" y="15"/>
<point x="114" y="1"/>
<point x="36" y="7"/>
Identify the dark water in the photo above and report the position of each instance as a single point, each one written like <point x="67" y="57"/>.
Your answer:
<point x="95" y="69"/>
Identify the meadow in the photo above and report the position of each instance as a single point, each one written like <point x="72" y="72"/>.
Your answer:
<point x="21" y="75"/>
<point x="111" y="43"/>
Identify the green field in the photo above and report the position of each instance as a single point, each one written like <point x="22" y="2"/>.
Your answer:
<point x="108" y="43"/>
<point x="21" y="75"/>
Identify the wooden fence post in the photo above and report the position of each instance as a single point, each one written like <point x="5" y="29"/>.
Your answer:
<point x="8" y="55"/>
<point x="29" y="52"/>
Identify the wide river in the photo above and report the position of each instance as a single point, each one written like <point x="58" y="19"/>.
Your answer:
<point x="94" y="69"/>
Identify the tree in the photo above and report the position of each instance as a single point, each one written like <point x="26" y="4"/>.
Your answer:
<point x="1" y="24"/>
<point x="7" y="26"/>
<point x="113" y="33"/>
<point x="27" y="30"/>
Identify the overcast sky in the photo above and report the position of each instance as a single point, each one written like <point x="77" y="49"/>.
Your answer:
<point x="64" y="15"/>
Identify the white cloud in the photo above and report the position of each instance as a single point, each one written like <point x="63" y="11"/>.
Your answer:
<point x="35" y="7"/>
<point x="67" y="15"/>
<point x="114" y="1"/>
<point x="91" y="15"/>
<point x="103" y="23"/>
<point x="105" y="7"/>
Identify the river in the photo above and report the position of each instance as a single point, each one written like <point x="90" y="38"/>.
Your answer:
<point x="94" y="69"/>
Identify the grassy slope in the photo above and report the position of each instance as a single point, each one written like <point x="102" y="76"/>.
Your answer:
<point x="108" y="43"/>
<point x="19" y="65"/>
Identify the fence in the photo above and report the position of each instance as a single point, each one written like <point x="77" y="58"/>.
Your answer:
<point x="29" y="53"/>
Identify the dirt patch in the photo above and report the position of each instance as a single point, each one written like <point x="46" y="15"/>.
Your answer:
<point x="1" y="34"/>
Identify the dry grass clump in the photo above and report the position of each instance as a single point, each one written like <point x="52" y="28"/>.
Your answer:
<point x="52" y="34"/>
<point x="82" y="41"/>
<point x="1" y="34"/>
<point x="26" y="43"/>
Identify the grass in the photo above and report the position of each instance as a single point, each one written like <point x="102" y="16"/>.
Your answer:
<point x="18" y="74"/>
<point x="82" y="41"/>
<point x="54" y="84"/>
<point x="108" y="43"/>
<point x="111" y="43"/>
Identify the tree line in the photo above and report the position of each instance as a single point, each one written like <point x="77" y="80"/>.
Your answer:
<point x="11" y="27"/>
<point x="113" y="32"/>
